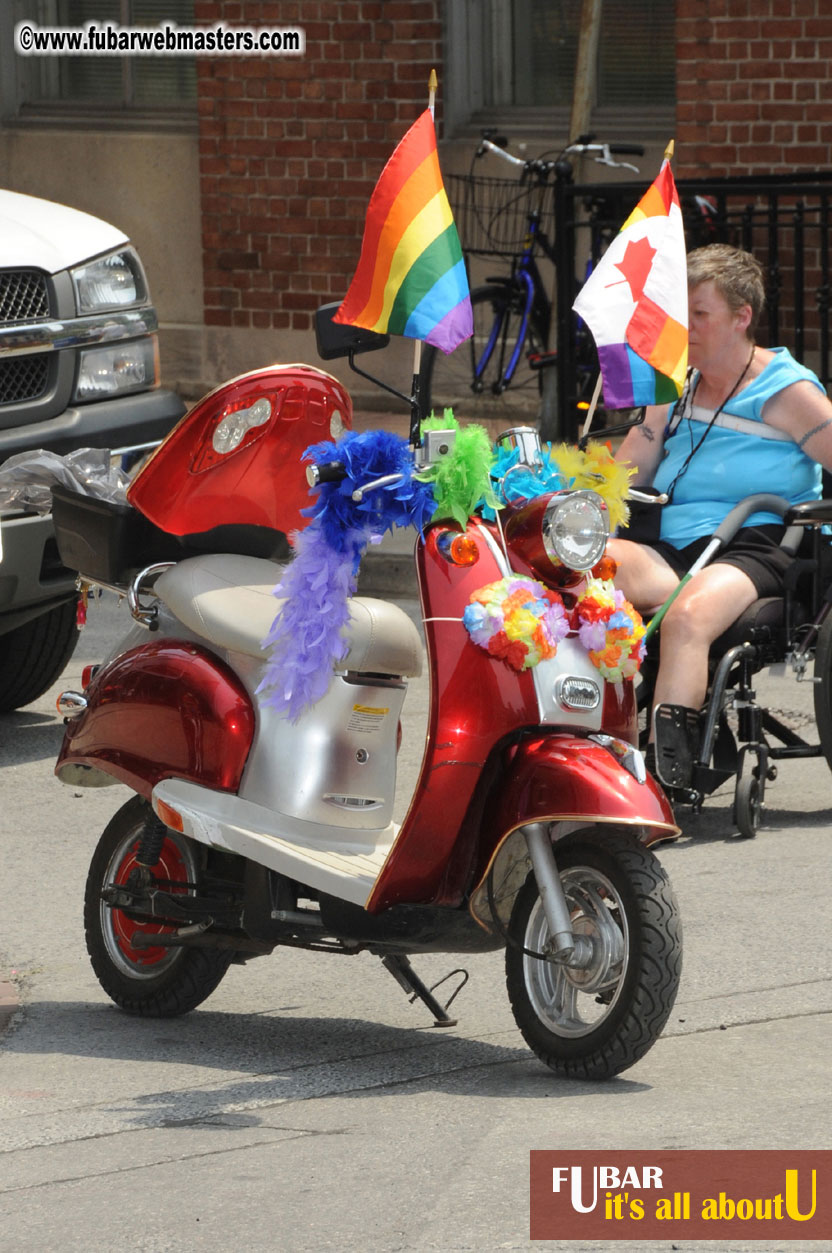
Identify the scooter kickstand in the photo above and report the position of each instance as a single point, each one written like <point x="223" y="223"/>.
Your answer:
<point x="404" y="974"/>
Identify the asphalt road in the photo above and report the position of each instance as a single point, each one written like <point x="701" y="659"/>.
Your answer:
<point x="307" y="1105"/>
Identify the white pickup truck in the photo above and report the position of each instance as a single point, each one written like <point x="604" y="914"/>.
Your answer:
<point x="79" y="367"/>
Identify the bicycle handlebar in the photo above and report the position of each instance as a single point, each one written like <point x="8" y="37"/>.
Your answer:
<point x="604" y="154"/>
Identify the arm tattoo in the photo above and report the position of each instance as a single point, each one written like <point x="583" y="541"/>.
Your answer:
<point x="820" y="426"/>
<point x="651" y="435"/>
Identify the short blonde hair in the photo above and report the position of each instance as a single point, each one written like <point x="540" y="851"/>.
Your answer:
<point x="737" y="276"/>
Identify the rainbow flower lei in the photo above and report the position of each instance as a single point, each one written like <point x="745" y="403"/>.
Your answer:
<point x="611" y="630"/>
<point x="518" y="620"/>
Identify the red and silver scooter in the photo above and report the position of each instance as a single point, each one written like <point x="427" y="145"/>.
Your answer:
<point x="532" y="819"/>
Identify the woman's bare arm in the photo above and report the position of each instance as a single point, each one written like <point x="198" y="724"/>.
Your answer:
<point x="643" y="446"/>
<point x="804" y="413"/>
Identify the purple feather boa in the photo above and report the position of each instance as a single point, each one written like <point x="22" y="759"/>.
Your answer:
<point x="306" y="638"/>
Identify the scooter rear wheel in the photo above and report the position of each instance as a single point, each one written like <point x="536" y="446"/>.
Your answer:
<point x="594" y="1022"/>
<point x="157" y="982"/>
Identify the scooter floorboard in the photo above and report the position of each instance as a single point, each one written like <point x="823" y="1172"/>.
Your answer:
<point x="346" y="867"/>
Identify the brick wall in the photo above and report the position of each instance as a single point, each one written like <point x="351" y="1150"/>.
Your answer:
<point x="290" y="149"/>
<point x="754" y="86"/>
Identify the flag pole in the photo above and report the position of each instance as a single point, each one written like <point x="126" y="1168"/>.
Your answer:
<point x="593" y="405"/>
<point x="415" y="400"/>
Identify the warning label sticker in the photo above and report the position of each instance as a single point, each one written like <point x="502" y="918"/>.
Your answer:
<point x="367" y="718"/>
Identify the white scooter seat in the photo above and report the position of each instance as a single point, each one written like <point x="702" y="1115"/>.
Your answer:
<point x="228" y="600"/>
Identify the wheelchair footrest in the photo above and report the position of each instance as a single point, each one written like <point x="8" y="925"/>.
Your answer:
<point x="677" y="736"/>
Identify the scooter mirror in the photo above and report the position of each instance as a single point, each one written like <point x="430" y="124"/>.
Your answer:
<point x="335" y="340"/>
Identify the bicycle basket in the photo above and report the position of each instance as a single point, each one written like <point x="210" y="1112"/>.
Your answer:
<point x="492" y="214"/>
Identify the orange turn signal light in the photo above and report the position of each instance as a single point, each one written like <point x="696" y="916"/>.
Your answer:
<point x="458" y="547"/>
<point x="168" y="815"/>
<point x="606" y="568"/>
<point x="464" y="551"/>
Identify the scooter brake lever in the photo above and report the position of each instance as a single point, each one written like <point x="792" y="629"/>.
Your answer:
<point x="647" y="498"/>
<point x="385" y="481"/>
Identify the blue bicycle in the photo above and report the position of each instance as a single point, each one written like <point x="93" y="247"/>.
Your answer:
<point x="506" y="371"/>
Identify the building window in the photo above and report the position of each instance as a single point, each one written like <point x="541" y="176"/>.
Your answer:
<point x="69" y="86"/>
<point x="520" y="55"/>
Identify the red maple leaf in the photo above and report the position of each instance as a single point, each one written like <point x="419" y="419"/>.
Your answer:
<point x="635" y="265"/>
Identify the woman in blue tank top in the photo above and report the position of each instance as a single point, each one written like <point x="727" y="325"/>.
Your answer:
<point x="750" y="420"/>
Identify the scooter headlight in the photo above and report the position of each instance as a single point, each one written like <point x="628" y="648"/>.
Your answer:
<point x="575" y="530"/>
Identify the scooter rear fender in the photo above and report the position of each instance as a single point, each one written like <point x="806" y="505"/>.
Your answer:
<point x="167" y="709"/>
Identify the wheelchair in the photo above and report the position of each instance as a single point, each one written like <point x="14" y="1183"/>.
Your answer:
<point x="733" y="736"/>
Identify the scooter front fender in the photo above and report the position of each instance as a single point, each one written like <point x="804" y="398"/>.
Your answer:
<point x="168" y="709"/>
<point x="561" y="777"/>
<point x="568" y="782"/>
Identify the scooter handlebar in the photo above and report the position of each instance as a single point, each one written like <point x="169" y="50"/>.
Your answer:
<point x="325" y="472"/>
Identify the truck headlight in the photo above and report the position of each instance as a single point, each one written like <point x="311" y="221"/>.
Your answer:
<point x="131" y="366"/>
<point x="113" y="282"/>
<point x="575" y="530"/>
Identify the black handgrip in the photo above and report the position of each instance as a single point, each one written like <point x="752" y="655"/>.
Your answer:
<point x="325" y="472"/>
<point x="626" y="150"/>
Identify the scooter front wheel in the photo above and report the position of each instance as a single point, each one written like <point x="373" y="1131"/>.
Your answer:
<point x="593" y="1021"/>
<point x="157" y="981"/>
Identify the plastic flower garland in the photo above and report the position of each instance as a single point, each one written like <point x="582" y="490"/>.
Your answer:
<point x="611" y="630"/>
<point x="518" y="620"/>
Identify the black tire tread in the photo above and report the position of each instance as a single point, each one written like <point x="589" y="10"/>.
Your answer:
<point x="34" y="655"/>
<point x="822" y="688"/>
<point x="746" y="796"/>
<point x="651" y="982"/>
<point x="182" y="986"/>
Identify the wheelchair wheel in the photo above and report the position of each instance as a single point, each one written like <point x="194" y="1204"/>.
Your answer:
<point x="822" y="688"/>
<point x="748" y="805"/>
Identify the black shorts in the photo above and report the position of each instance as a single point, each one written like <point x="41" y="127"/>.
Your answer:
<point x="754" y="549"/>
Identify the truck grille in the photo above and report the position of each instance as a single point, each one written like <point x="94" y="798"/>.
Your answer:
<point x="23" y="295"/>
<point x="23" y="378"/>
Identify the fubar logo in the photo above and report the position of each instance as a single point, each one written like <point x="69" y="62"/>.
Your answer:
<point x="719" y="1195"/>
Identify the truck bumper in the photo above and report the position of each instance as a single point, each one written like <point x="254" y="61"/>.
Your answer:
<point x="105" y="424"/>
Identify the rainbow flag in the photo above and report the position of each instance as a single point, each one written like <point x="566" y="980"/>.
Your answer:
<point x="635" y="302"/>
<point x="411" y="277"/>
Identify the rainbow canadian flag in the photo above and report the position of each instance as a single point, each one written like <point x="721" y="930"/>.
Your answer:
<point x="635" y="303"/>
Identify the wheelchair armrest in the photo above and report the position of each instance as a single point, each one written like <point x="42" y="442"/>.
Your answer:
<point x="809" y="513"/>
<point x="759" y="503"/>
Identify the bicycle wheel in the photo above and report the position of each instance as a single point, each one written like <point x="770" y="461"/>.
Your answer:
<point x="450" y="380"/>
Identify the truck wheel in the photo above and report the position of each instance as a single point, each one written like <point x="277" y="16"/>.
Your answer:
<point x="33" y="655"/>
<point x="592" y="1022"/>
<point x="156" y="982"/>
